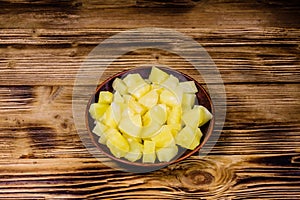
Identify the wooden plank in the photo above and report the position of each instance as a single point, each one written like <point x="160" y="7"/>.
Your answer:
<point x="92" y="14"/>
<point x="259" y="119"/>
<point x="242" y="55"/>
<point x="214" y="177"/>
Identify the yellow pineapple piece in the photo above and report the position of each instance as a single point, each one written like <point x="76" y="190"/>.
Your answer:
<point x="97" y="110"/>
<point x="117" y="143"/>
<point x="166" y="154"/>
<point x="164" y="138"/>
<point x="135" y="151"/>
<point x="187" y="138"/>
<point x="157" y="75"/>
<point x="188" y="87"/>
<point x="169" y="98"/>
<point x="120" y="86"/>
<point x="136" y="106"/>
<point x="149" y="152"/>
<point x="149" y="99"/>
<point x="105" y="97"/>
<point x="130" y="123"/>
<point x="112" y="115"/>
<point x="174" y="116"/>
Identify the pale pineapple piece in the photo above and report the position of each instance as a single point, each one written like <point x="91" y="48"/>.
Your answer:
<point x="149" y="155"/>
<point x="149" y="99"/>
<point x="188" y="87"/>
<point x="188" y="101"/>
<point x="118" y="97"/>
<point x="150" y="130"/>
<point x="136" y="85"/>
<point x="205" y="115"/>
<point x="112" y="115"/>
<point x="100" y="128"/>
<point x="97" y="110"/>
<point x="120" y="86"/>
<point x="159" y="113"/>
<point x="135" y="151"/>
<point x="139" y="90"/>
<point x="105" y="97"/>
<point x="130" y="124"/>
<point x="191" y="118"/>
<point x="169" y="98"/>
<point x="175" y="128"/>
<point x="197" y="116"/>
<point x="133" y="80"/>
<point x="164" y="138"/>
<point x="196" y="141"/>
<point x="166" y="154"/>
<point x="157" y="75"/>
<point x="174" y="116"/>
<point x="136" y="106"/>
<point x="170" y="83"/>
<point x="117" y="143"/>
<point x="187" y="138"/>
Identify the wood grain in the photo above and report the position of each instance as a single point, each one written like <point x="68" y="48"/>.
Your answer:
<point x="254" y="44"/>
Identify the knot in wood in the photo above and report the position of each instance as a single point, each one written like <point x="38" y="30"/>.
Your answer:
<point x="197" y="177"/>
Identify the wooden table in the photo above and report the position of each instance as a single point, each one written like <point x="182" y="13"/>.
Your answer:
<point x="254" y="44"/>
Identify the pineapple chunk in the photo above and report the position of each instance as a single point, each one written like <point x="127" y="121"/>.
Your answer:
<point x="164" y="138"/>
<point x="197" y="116"/>
<point x="118" y="97"/>
<point x="196" y="141"/>
<point x="159" y="113"/>
<point x="136" y="106"/>
<point x="130" y="124"/>
<point x="120" y="86"/>
<point x="133" y="80"/>
<point x="139" y="90"/>
<point x="105" y="97"/>
<point x="167" y="153"/>
<point x="112" y="115"/>
<point x="149" y="152"/>
<point x="149" y="99"/>
<point x="205" y="115"/>
<point x="135" y="151"/>
<point x="137" y="86"/>
<point x="117" y="143"/>
<point x="97" y="110"/>
<point x="157" y="75"/>
<point x="188" y="101"/>
<point x="150" y="130"/>
<point x="169" y="98"/>
<point x="170" y="83"/>
<point x="188" y="87"/>
<point x="187" y="138"/>
<point x="99" y="129"/>
<point x="175" y="115"/>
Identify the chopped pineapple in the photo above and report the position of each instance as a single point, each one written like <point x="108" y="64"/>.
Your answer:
<point x="97" y="110"/>
<point x="120" y="86"/>
<point x="175" y="115"/>
<point x="168" y="98"/>
<point x="188" y="101"/>
<point x="149" y="99"/>
<point x="187" y="138"/>
<point x="188" y="87"/>
<point x="197" y="116"/>
<point x="164" y="138"/>
<point x="157" y="75"/>
<point x="149" y="152"/>
<point x="144" y="117"/>
<point x="135" y="151"/>
<point x="118" y="145"/>
<point x="166" y="154"/>
<point x="105" y="97"/>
